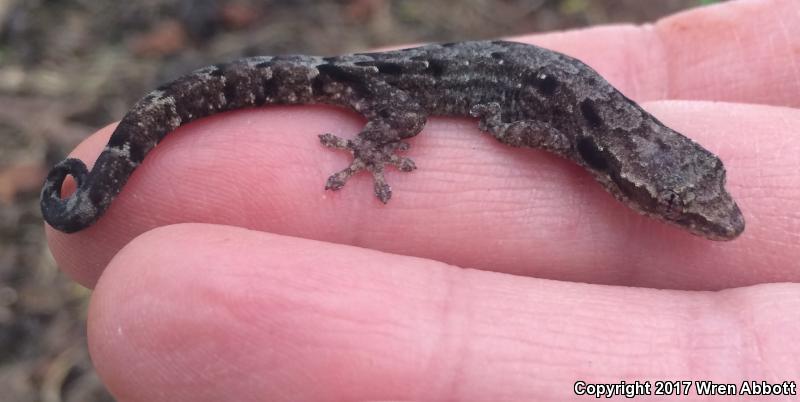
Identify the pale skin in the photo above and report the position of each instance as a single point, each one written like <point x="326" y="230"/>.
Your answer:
<point x="445" y="295"/>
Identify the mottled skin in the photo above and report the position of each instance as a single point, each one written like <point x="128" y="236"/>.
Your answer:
<point x="523" y="95"/>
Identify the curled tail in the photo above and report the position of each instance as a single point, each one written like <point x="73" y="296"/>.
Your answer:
<point x="150" y="120"/>
<point x="93" y="194"/>
<point x="67" y="215"/>
<point x="139" y="131"/>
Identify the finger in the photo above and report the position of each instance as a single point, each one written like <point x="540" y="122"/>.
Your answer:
<point x="537" y="214"/>
<point x="230" y="314"/>
<point x="740" y="51"/>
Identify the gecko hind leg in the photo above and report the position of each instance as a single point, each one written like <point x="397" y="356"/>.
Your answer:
<point x="370" y="156"/>
<point x="376" y="147"/>
<point x="392" y="116"/>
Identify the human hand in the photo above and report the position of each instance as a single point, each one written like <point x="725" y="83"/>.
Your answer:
<point x="215" y="312"/>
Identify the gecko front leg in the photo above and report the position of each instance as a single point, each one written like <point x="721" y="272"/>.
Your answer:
<point x="391" y="117"/>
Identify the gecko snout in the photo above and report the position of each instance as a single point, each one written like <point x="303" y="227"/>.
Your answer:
<point x="717" y="219"/>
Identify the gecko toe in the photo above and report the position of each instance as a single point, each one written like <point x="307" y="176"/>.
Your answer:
<point x="332" y="141"/>
<point x="402" y="146"/>
<point x="337" y="180"/>
<point x="382" y="189"/>
<point x="402" y="164"/>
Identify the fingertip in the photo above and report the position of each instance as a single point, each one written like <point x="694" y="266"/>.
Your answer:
<point x="164" y="319"/>
<point x="227" y="313"/>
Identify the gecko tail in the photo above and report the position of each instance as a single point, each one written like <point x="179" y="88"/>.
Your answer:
<point x="75" y="212"/>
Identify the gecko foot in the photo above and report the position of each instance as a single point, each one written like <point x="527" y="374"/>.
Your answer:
<point x="371" y="156"/>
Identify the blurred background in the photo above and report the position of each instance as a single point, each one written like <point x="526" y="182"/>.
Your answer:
<point x="69" y="67"/>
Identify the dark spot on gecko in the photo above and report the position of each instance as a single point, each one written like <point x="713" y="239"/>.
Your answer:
<point x="264" y="64"/>
<point x="591" y="154"/>
<point x="331" y="59"/>
<point x="437" y="67"/>
<point x="260" y="96"/>
<point x="497" y="55"/>
<point x="545" y="83"/>
<point x="271" y="87"/>
<point x="590" y="114"/>
<point x="637" y="194"/>
<point x="448" y="44"/>
<point x="119" y="140"/>
<point x="230" y="89"/>
<point x="318" y="85"/>
<point x="673" y="201"/>
<point x="384" y="113"/>
<point x="383" y="67"/>
<point x="136" y="150"/>
<point x="390" y="68"/>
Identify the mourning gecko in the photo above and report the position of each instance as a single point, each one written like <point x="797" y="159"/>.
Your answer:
<point x="523" y="95"/>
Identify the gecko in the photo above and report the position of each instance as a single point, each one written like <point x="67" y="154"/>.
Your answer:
<point x="523" y="95"/>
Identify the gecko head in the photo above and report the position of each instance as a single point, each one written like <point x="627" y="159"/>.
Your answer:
<point x="690" y="194"/>
<point x="703" y="206"/>
<point x="680" y="183"/>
